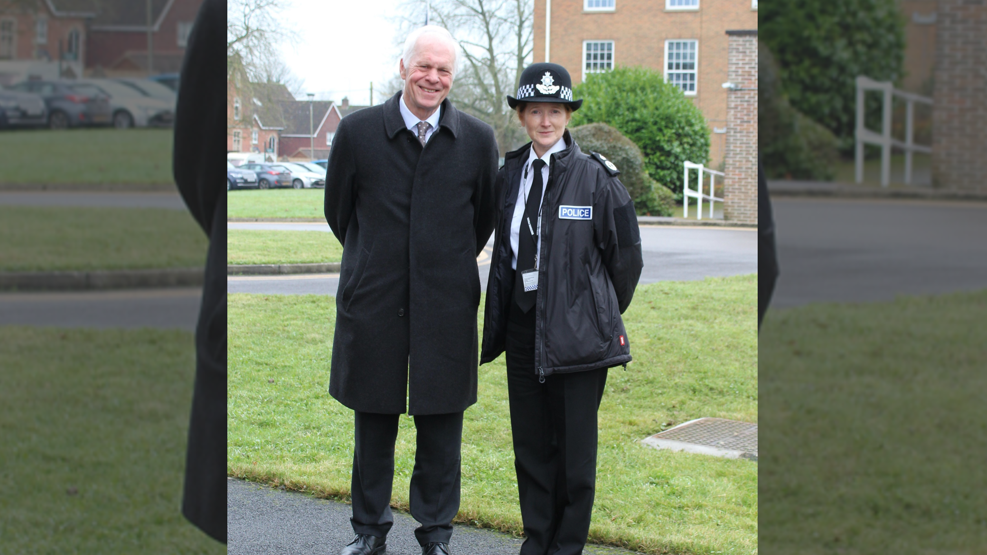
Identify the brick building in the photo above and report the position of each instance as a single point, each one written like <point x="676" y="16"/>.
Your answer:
<point x="118" y="36"/>
<point x="265" y="118"/>
<point x="39" y="32"/>
<point x="959" y="110"/>
<point x="684" y="39"/>
<point x="740" y="185"/>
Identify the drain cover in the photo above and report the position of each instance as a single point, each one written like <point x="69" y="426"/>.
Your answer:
<point x="710" y="436"/>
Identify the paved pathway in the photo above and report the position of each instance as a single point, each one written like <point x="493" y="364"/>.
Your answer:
<point x="155" y="308"/>
<point x="116" y="200"/>
<point x="266" y="521"/>
<point x="678" y="253"/>
<point x="874" y="250"/>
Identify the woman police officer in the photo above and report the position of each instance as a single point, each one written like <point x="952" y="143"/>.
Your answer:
<point x="566" y="260"/>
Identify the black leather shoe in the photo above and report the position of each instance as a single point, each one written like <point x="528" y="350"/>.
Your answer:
<point x="364" y="544"/>
<point x="435" y="549"/>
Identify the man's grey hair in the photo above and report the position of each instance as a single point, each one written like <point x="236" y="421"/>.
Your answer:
<point x="411" y="44"/>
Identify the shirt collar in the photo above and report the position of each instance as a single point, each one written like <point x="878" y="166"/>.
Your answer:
<point x="411" y="120"/>
<point x="557" y="147"/>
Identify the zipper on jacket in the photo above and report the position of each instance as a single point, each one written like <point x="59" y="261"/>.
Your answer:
<point x="541" y="375"/>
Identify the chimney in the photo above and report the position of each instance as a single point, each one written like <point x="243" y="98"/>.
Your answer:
<point x="346" y="102"/>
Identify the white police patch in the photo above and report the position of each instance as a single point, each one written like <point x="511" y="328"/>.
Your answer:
<point x="575" y="212"/>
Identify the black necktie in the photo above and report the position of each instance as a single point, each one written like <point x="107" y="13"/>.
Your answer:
<point x="527" y="243"/>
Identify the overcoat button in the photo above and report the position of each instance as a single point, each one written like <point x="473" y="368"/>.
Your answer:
<point x="400" y="312"/>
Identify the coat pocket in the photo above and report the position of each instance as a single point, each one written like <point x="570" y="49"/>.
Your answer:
<point x="353" y="282"/>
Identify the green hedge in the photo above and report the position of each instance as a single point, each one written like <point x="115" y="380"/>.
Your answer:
<point x="790" y="144"/>
<point x="823" y="46"/>
<point x="650" y="198"/>
<point x="667" y="127"/>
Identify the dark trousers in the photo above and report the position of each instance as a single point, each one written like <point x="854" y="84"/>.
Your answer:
<point x="434" y="496"/>
<point x="554" y="425"/>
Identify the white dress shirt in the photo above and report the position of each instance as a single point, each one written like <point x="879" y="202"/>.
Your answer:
<point x="411" y="120"/>
<point x="527" y="178"/>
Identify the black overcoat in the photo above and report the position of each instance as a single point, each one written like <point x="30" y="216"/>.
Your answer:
<point x="412" y="221"/>
<point x="200" y="135"/>
<point x="767" y="255"/>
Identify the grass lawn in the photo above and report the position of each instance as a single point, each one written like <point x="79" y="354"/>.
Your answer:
<point x="73" y="238"/>
<point x="87" y="157"/>
<point x="94" y="428"/>
<point x="872" y="417"/>
<point x="249" y="246"/>
<point x="690" y="360"/>
<point x="273" y="204"/>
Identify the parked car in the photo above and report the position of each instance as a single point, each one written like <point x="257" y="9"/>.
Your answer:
<point x="240" y="158"/>
<point x="269" y="175"/>
<point x="236" y="178"/>
<point x="69" y="103"/>
<point x="169" y="80"/>
<point x="146" y="87"/>
<point x="324" y="163"/>
<point x="18" y="108"/>
<point x="132" y="109"/>
<point x="314" y="167"/>
<point x="302" y="177"/>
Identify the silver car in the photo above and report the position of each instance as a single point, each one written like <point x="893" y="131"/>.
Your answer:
<point x="236" y="178"/>
<point x="132" y="109"/>
<point x="18" y="108"/>
<point x="302" y="177"/>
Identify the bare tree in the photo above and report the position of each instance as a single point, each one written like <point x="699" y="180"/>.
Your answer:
<point x="496" y="41"/>
<point x="253" y="33"/>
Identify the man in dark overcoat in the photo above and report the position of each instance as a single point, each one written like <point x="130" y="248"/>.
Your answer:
<point x="767" y="257"/>
<point x="409" y="194"/>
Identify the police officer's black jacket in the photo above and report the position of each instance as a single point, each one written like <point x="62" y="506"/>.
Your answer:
<point x="587" y="270"/>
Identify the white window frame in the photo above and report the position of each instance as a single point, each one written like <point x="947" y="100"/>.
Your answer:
<point x="74" y="46"/>
<point x="253" y="136"/>
<point x="588" y="8"/>
<point x="12" y="37"/>
<point x="236" y="109"/>
<point x="183" y="32"/>
<point x="41" y="30"/>
<point x="329" y="137"/>
<point x="695" y="70"/>
<point x="613" y="57"/>
<point x="237" y="140"/>
<point x="754" y="4"/>
<point x="670" y="8"/>
<point x="272" y="143"/>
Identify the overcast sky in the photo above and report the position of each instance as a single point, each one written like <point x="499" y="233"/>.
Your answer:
<point x="342" y="47"/>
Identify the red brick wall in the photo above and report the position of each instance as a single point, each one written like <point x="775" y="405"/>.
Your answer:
<point x="106" y="47"/>
<point x="740" y="185"/>
<point x="959" y="111"/>
<point x="26" y="47"/>
<point x="639" y="29"/>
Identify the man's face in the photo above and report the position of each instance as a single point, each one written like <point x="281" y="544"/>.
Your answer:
<point x="428" y="76"/>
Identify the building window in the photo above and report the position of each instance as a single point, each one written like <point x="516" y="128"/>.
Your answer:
<point x="236" y="109"/>
<point x="597" y="56"/>
<point x="7" y="29"/>
<point x="41" y="31"/>
<point x="754" y="4"/>
<point x="184" y="30"/>
<point x="329" y="136"/>
<point x="237" y="140"/>
<point x="599" y="5"/>
<point x="682" y="4"/>
<point x="271" y="143"/>
<point x="680" y="64"/>
<point x="72" y="49"/>
<point x="253" y="137"/>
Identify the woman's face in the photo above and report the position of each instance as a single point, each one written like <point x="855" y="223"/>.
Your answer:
<point x="545" y="123"/>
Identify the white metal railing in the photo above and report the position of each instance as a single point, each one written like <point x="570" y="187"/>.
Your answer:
<point x="884" y="138"/>
<point x="697" y="194"/>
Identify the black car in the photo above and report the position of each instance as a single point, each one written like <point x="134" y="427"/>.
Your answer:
<point x="69" y="104"/>
<point x="17" y="109"/>
<point x="269" y="175"/>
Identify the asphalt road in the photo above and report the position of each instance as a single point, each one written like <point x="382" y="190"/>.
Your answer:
<point x="86" y="199"/>
<point x="875" y="250"/>
<point x="154" y="308"/>
<point x="269" y="521"/>
<point x="670" y="254"/>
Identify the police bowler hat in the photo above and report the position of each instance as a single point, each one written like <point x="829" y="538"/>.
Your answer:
<point x="545" y="82"/>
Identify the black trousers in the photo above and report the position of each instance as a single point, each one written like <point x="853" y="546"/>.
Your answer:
<point x="434" y="496"/>
<point x="554" y="426"/>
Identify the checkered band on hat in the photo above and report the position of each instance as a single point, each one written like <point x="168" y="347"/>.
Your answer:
<point x="525" y="91"/>
<point x="566" y="94"/>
